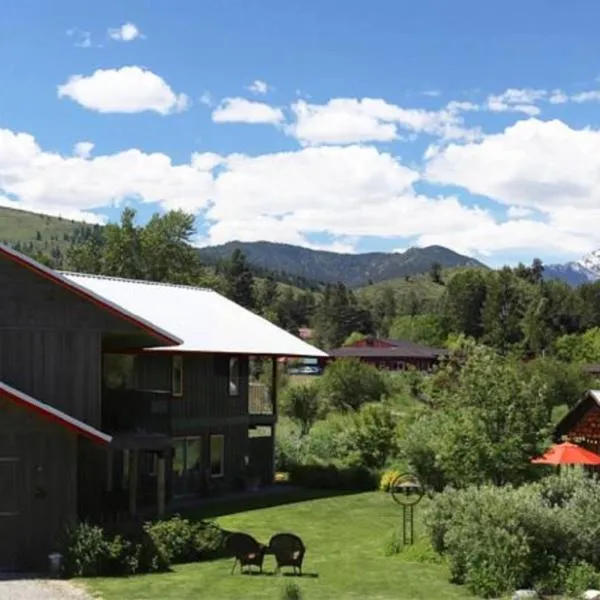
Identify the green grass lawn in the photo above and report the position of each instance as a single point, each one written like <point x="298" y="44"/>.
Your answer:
<point x="345" y="538"/>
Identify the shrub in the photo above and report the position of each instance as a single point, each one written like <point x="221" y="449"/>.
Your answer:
<point x="301" y="403"/>
<point x="387" y="479"/>
<point x="374" y="435"/>
<point x="329" y="441"/>
<point x="394" y="544"/>
<point x="348" y="383"/>
<point x="184" y="540"/>
<point x="288" y="444"/>
<point x="580" y="577"/>
<point x="89" y="551"/>
<point x="85" y="550"/>
<point x="291" y="591"/>
<point x="543" y="535"/>
<point x="332" y="477"/>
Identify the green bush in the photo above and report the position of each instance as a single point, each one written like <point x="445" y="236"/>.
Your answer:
<point x="288" y="445"/>
<point x="332" y="477"/>
<point x="348" y="383"/>
<point x="185" y="541"/>
<point x="89" y="551"/>
<point x="85" y="550"/>
<point x="543" y="535"/>
<point x="580" y="577"/>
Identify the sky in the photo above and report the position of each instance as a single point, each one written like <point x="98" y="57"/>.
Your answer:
<point x="349" y="126"/>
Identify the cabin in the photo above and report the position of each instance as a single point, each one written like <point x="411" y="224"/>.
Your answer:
<point x="581" y="424"/>
<point x="121" y="398"/>
<point x="393" y="355"/>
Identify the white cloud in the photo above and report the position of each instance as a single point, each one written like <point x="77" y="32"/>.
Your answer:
<point x="83" y="39"/>
<point x="342" y="191"/>
<point x="518" y="212"/>
<point x="240" y="110"/>
<point x="516" y="100"/>
<point x="49" y="182"/>
<point x="350" y="120"/>
<point x="590" y="96"/>
<point x="259" y="87"/>
<point x="206" y="99"/>
<point x="83" y="149"/>
<point x="345" y="192"/>
<point x="558" y="97"/>
<point x="533" y="164"/>
<point x="125" y="90"/>
<point x="126" y="33"/>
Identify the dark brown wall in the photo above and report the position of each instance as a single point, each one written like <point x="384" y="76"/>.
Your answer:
<point x="205" y="407"/>
<point x="40" y="485"/>
<point x="205" y="398"/>
<point x="50" y="342"/>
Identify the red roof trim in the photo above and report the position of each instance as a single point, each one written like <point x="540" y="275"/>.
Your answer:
<point x="49" y="412"/>
<point x="24" y="261"/>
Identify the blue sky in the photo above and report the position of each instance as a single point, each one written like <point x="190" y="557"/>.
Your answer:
<point x="352" y="126"/>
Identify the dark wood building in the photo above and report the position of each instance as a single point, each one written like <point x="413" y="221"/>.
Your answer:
<point x="581" y="424"/>
<point x="119" y="396"/>
<point x="390" y="354"/>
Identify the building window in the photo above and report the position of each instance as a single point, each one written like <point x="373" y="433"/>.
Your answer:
<point x="177" y="375"/>
<point x="217" y="455"/>
<point x="234" y="376"/>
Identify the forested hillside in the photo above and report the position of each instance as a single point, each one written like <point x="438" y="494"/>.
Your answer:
<point x="330" y="267"/>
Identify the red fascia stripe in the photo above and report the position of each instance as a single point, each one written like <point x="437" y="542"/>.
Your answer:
<point x="51" y="416"/>
<point x="47" y="273"/>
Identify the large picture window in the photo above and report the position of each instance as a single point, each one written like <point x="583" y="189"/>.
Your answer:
<point x="234" y="376"/>
<point x="217" y="455"/>
<point x="177" y="375"/>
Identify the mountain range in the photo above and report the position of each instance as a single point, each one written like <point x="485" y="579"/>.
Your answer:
<point x="585" y="270"/>
<point x="52" y="236"/>
<point x="353" y="270"/>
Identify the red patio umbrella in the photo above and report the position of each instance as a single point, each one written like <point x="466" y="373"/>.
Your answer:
<point x="567" y="454"/>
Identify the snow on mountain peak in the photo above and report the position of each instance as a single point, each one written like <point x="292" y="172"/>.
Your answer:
<point x="591" y="262"/>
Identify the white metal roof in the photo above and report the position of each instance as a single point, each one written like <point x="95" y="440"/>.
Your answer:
<point x="14" y="395"/>
<point x="57" y="277"/>
<point x="205" y="320"/>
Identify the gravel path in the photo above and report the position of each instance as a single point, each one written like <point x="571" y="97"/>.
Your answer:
<point x="30" y="588"/>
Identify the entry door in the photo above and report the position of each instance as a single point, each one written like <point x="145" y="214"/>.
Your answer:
<point x="187" y="466"/>
<point x="11" y="486"/>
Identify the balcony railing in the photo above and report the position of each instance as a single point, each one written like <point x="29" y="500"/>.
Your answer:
<point x="259" y="399"/>
<point x="135" y="411"/>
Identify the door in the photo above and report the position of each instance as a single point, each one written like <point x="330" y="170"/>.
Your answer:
<point x="11" y="486"/>
<point x="187" y="466"/>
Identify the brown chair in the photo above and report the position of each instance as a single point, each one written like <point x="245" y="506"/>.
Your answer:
<point x="288" y="550"/>
<point x="245" y="550"/>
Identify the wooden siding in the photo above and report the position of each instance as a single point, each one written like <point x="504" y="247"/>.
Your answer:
<point x="29" y="301"/>
<point x="51" y="342"/>
<point x="42" y="479"/>
<point x="60" y="368"/>
<point x="205" y="395"/>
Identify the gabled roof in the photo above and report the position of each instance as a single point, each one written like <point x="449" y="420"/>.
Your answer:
<point x="590" y="400"/>
<point x="205" y="320"/>
<point x="49" y="412"/>
<point x="382" y="352"/>
<point x="164" y="336"/>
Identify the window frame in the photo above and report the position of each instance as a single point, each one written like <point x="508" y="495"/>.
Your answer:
<point x="177" y="381"/>
<point x="221" y="473"/>
<point x="233" y="377"/>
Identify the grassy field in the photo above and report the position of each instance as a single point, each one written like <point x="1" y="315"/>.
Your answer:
<point x="21" y="226"/>
<point x="345" y="538"/>
<point x="420" y="286"/>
